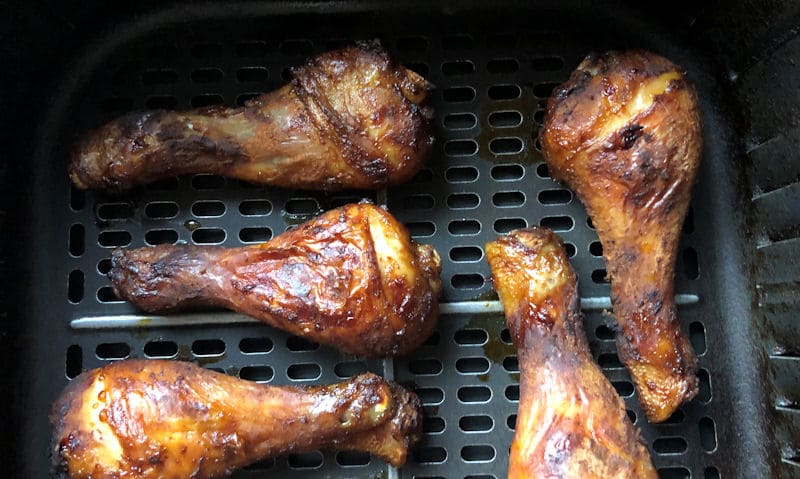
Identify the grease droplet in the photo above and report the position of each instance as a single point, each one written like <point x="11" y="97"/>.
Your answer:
<point x="192" y="225"/>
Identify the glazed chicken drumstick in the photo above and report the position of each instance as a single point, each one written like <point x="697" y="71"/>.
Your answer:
<point x="571" y="422"/>
<point x="351" y="278"/>
<point x="624" y="133"/>
<point x="142" y="419"/>
<point x="350" y="118"/>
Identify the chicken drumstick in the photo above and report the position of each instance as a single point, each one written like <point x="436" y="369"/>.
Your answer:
<point x="624" y="133"/>
<point x="351" y="278"/>
<point x="350" y="118"/>
<point x="570" y="423"/>
<point x="143" y="419"/>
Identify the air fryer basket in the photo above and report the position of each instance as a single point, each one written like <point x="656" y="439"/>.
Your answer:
<point x="493" y="70"/>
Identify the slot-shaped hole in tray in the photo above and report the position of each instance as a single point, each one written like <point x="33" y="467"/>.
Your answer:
<point x="304" y="372"/>
<point x="468" y="254"/>
<point x="353" y="458"/>
<point x="256" y="345"/>
<point x="432" y="425"/>
<point x="75" y="286"/>
<point x="348" y="369"/>
<point x="478" y="423"/>
<point x="260" y="374"/>
<point x="505" y="119"/>
<point x="507" y="172"/>
<point x="478" y="453"/>
<point x="474" y="394"/>
<point x="460" y="121"/>
<point x="471" y="337"/>
<point x="161" y="349"/>
<point x="305" y="460"/>
<point x="430" y="395"/>
<point x="502" y="65"/>
<point x="461" y="174"/>
<point x="430" y="454"/>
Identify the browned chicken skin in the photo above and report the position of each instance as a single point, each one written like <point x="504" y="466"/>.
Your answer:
<point x="570" y="423"/>
<point x="350" y="118"/>
<point x="624" y="133"/>
<point x="351" y="278"/>
<point x="141" y="419"/>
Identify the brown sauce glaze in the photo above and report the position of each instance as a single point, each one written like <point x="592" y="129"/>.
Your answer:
<point x="571" y="422"/>
<point x="351" y="278"/>
<point x="142" y="419"/>
<point x="350" y="118"/>
<point x="624" y="133"/>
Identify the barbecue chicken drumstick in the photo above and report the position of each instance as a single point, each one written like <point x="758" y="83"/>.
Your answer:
<point x="570" y="423"/>
<point x="141" y="419"/>
<point x="351" y="278"/>
<point x="350" y="118"/>
<point x="624" y="133"/>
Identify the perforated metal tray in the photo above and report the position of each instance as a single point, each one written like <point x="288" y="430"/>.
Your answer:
<point x="493" y="72"/>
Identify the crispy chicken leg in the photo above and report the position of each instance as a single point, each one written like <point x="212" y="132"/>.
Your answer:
<point x="350" y="118"/>
<point x="571" y="423"/>
<point x="351" y="278"/>
<point x="143" y="419"/>
<point x="624" y="133"/>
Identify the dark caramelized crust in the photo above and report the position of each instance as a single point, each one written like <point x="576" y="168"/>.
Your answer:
<point x="570" y="422"/>
<point x="351" y="278"/>
<point x="624" y="133"/>
<point x="142" y="419"/>
<point x="350" y="118"/>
